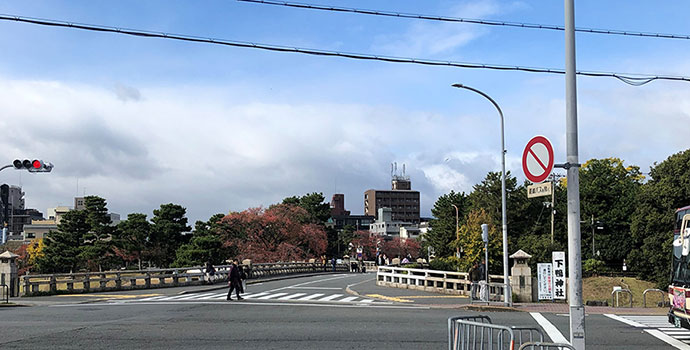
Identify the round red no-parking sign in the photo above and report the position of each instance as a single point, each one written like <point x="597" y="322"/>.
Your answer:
<point x="537" y="159"/>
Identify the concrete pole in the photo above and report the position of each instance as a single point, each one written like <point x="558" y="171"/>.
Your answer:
<point x="577" y="311"/>
<point x="553" y="202"/>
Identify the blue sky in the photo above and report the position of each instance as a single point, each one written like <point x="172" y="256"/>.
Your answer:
<point x="148" y="121"/>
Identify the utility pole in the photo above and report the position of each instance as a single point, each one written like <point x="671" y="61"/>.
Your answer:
<point x="577" y="310"/>
<point x="593" y="256"/>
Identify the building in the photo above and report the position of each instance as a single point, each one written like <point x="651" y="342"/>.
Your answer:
<point x="79" y="203"/>
<point x="410" y="232"/>
<point x="57" y="213"/>
<point x="403" y="202"/>
<point x="38" y="229"/>
<point x="13" y="213"/>
<point x="340" y="218"/>
<point x="386" y="226"/>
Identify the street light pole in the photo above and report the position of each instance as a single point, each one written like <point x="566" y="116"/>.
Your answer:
<point x="506" y="280"/>
<point x="457" y="229"/>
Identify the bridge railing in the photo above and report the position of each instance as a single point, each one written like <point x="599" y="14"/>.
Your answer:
<point x="87" y="282"/>
<point x="447" y="282"/>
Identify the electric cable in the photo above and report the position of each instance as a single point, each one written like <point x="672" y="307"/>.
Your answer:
<point x="467" y="20"/>
<point x="635" y="79"/>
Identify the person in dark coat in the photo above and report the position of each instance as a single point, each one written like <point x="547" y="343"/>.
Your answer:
<point x="474" y="278"/>
<point x="234" y="281"/>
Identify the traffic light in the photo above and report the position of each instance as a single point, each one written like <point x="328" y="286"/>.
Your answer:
<point x="33" y="166"/>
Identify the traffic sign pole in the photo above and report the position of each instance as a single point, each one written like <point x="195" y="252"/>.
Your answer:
<point x="577" y="311"/>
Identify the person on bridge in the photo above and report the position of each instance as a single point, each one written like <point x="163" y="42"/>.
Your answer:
<point x="210" y="272"/>
<point x="474" y="278"/>
<point x="234" y="281"/>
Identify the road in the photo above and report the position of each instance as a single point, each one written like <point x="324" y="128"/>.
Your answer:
<point x="317" y="312"/>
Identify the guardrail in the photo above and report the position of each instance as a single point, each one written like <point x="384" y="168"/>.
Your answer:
<point x="644" y="296"/>
<point x="615" y="292"/>
<point x="86" y="282"/>
<point x="447" y="282"/>
<point x="477" y="332"/>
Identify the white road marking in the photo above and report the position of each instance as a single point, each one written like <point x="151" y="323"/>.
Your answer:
<point x="348" y="299"/>
<point x="335" y="288"/>
<point x="313" y="296"/>
<point x="670" y="335"/>
<point x="667" y="339"/>
<point x="196" y="296"/>
<point x="240" y="303"/>
<point x="292" y="296"/>
<point x="549" y="328"/>
<point x="331" y="297"/>
<point x="624" y="320"/>
<point x="257" y="295"/>
<point x="270" y="296"/>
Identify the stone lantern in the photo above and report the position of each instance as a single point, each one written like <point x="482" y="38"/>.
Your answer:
<point x="521" y="281"/>
<point x="8" y="273"/>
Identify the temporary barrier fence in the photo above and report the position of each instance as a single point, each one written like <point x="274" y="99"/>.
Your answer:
<point x="545" y="346"/>
<point x="477" y="332"/>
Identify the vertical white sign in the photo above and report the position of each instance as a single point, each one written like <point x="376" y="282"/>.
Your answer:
<point x="559" y="275"/>
<point x="545" y="281"/>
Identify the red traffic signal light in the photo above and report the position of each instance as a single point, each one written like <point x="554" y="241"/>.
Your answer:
<point x="33" y="166"/>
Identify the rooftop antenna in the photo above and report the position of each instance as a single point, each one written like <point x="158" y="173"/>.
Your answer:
<point x="396" y="168"/>
<point x="392" y="173"/>
<point x="403" y="174"/>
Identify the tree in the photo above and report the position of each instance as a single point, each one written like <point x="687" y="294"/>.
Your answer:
<point x="443" y="229"/>
<point x="401" y="248"/>
<point x="279" y="233"/>
<point x="367" y="241"/>
<point x="97" y="243"/>
<point x="35" y="250"/>
<point x="206" y="245"/>
<point x="132" y="237"/>
<point x="167" y="233"/>
<point x="608" y="193"/>
<point x="652" y="224"/>
<point x="473" y="245"/>
<point x="62" y="247"/>
<point x="313" y="203"/>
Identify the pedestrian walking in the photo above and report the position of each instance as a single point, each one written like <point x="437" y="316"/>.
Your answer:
<point x="243" y="277"/>
<point x="234" y="280"/>
<point x="333" y="262"/>
<point x="210" y="272"/>
<point x="474" y="279"/>
<point x="482" y="281"/>
<point x="324" y="261"/>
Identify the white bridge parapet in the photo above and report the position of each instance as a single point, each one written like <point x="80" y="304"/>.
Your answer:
<point x="446" y="282"/>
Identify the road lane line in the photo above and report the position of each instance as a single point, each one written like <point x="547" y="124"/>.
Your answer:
<point x="241" y="303"/>
<point x="549" y="328"/>
<point x="366" y="301"/>
<point x="312" y="296"/>
<point x="337" y="288"/>
<point x="152" y="298"/>
<point x="330" y="297"/>
<point x="348" y="299"/>
<point x="175" y="297"/>
<point x="292" y="296"/>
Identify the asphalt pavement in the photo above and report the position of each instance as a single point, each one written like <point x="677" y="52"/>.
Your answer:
<point x="333" y="311"/>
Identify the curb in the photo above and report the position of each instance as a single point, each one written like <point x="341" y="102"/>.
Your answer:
<point x="224" y="286"/>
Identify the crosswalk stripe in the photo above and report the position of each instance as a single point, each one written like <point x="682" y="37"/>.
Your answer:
<point x="348" y="299"/>
<point x="176" y="297"/>
<point x="257" y="295"/>
<point x="153" y="298"/>
<point x="196" y="296"/>
<point x="367" y="301"/>
<point x="330" y="297"/>
<point x="312" y="296"/>
<point x="271" y="296"/>
<point x="292" y="296"/>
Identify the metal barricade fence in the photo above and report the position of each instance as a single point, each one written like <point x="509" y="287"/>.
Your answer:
<point x="493" y="292"/>
<point x="545" y="346"/>
<point x="466" y="333"/>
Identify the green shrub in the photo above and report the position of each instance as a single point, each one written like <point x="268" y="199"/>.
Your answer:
<point x="592" y="266"/>
<point x="450" y="263"/>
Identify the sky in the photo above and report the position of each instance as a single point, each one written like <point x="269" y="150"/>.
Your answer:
<point x="145" y="121"/>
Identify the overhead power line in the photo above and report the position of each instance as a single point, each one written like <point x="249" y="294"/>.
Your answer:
<point x="468" y="20"/>
<point x="629" y="78"/>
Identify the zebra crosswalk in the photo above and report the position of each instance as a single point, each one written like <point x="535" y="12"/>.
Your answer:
<point x="262" y="296"/>
<point x="659" y="327"/>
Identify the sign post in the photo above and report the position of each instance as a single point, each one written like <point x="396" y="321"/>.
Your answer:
<point x="545" y="281"/>
<point x="559" y="275"/>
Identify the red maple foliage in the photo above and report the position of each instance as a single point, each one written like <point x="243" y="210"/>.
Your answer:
<point x="399" y="248"/>
<point x="279" y="233"/>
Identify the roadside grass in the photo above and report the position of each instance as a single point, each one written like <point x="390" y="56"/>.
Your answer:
<point x="600" y="288"/>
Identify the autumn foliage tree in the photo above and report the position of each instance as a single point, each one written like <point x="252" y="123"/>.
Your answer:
<point x="401" y="248"/>
<point x="279" y="233"/>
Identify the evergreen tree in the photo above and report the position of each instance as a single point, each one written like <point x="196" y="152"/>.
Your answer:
<point x="206" y="245"/>
<point x="62" y="247"/>
<point x="443" y="227"/>
<point x="132" y="237"/>
<point x="97" y="246"/>
<point x="167" y="233"/>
